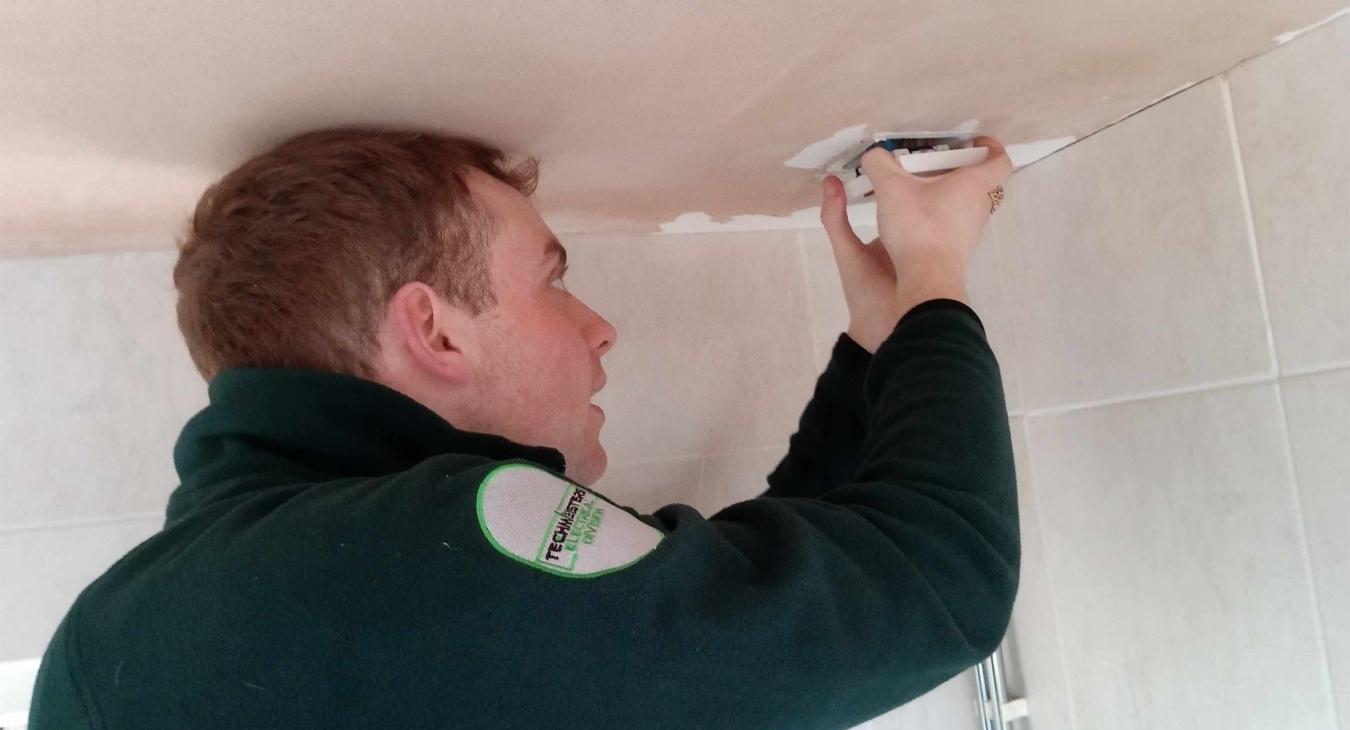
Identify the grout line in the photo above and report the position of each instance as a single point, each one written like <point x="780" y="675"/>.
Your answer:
<point x="1269" y="378"/>
<point x="1009" y="320"/>
<point x="1153" y="395"/>
<point x="13" y="251"/>
<point x="702" y="489"/>
<point x="800" y="241"/>
<point x="1291" y="467"/>
<point x="1287" y="445"/>
<point x="61" y="524"/>
<point x="1049" y="577"/>
<point x="1185" y="390"/>
<point x="1305" y="552"/>
<point x="1247" y="217"/>
<point x="1316" y="369"/>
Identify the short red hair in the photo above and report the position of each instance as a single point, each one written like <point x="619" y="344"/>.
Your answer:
<point x="290" y="259"/>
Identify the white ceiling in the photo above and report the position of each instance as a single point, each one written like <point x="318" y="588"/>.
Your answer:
<point x="114" y="115"/>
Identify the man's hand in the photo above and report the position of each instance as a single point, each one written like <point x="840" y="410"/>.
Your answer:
<point x="929" y="228"/>
<point x="866" y="271"/>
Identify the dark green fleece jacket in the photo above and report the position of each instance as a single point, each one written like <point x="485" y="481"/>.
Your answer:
<point x="338" y="556"/>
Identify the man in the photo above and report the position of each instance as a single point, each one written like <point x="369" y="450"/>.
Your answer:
<point x="383" y="519"/>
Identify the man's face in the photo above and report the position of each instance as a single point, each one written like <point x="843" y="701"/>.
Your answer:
<point x="544" y="344"/>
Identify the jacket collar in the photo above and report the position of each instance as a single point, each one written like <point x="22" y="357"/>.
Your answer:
<point x="268" y="426"/>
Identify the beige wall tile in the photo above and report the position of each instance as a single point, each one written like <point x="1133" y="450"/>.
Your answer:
<point x="988" y="297"/>
<point x="829" y="312"/>
<point x="714" y="349"/>
<point x="1317" y="409"/>
<point x="951" y="705"/>
<point x="96" y="384"/>
<point x="1033" y="661"/>
<point x="825" y="292"/>
<point x="651" y="486"/>
<point x="1173" y="542"/>
<point x="1127" y="263"/>
<point x="731" y="478"/>
<point x="44" y="570"/>
<point x="1291" y="108"/>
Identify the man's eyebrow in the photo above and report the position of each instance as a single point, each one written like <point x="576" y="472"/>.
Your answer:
<point x="555" y="250"/>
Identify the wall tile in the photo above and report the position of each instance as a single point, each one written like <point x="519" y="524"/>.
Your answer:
<point x="1172" y="539"/>
<point x="1127" y="262"/>
<point x="1033" y="663"/>
<point x="988" y="297"/>
<point x="651" y="486"/>
<point x="1291" y="108"/>
<point x="96" y="385"/>
<point x="1315" y="408"/>
<point x="731" y="478"/>
<point x="951" y="705"/>
<point x="713" y="353"/>
<point x="829" y="312"/>
<point x="44" y="570"/>
<point x="825" y="292"/>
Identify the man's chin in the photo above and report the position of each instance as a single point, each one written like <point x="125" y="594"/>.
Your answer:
<point x="594" y="467"/>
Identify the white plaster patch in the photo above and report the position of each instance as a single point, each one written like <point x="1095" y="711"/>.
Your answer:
<point x="1284" y="38"/>
<point x="548" y="522"/>
<point x="700" y="222"/>
<point x="817" y="154"/>
<point x="859" y="214"/>
<point x="1028" y="152"/>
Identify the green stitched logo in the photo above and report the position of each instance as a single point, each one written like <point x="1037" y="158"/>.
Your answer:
<point x="575" y="521"/>
<point x="553" y="524"/>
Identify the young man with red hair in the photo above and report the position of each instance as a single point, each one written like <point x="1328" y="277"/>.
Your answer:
<point x="384" y="517"/>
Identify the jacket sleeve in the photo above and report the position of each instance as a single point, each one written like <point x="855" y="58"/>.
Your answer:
<point x="826" y="611"/>
<point x="823" y="453"/>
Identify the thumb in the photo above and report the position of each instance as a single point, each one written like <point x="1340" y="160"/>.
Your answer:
<point x="834" y="216"/>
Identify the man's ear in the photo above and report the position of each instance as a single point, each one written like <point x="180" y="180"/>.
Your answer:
<point x="429" y="332"/>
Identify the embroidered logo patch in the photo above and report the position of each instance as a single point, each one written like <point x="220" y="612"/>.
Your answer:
<point x="545" y="521"/>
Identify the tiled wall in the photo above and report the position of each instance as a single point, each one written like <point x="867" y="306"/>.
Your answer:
<point x="95" y="384"/>
<point x="1178" y="291"/>
<point x="1168" y="300"/>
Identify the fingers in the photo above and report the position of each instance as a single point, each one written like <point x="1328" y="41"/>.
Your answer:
<point x="886" y="173"/>
<point x="881" y="167"/>
<point x="834" y="215"/>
